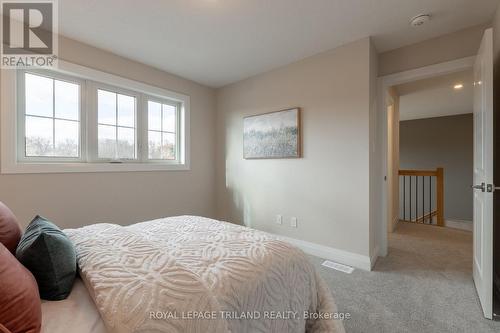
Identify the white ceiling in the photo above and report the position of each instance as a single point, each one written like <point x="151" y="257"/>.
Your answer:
<point x="216" y="42"/>
<point x="436" y="97"/>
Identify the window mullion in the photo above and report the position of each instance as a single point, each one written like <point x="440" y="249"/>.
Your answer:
<point x="161" y="135"/>
<point x="177" y="133"/>
<point x="53" y="117"/>
<point x="161" y="118"/>
<point x="82" y="127"/>
<point x="91" y="99"/>
<point x="116" y="126"/>
<point x="139" y="128"/>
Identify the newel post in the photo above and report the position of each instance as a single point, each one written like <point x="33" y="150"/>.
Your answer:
<point x="440" y="196"/>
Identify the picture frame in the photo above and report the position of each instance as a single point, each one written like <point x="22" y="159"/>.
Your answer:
<point x="273" y="135"/>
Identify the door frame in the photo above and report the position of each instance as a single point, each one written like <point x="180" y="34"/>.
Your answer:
<point x="384" y="82"/>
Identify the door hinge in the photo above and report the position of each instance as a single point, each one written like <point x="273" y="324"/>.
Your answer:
<point x="491" y="188"/>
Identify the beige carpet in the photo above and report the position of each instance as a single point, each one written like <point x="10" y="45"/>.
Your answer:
<point x="423" y="285"/>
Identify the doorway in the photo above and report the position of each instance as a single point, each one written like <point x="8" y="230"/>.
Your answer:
<point x="435" y="134"/>
<point x="482" y="198"/>
<point x="389" y="102"/>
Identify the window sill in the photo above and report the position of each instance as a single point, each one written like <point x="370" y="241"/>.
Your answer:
<point x="89" y="167"/>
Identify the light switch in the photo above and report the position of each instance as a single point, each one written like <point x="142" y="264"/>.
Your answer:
<point x="279" y="219"/>
<point x="293" y="222"/>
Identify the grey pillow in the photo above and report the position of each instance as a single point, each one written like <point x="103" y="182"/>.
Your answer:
<point x="50" y="256"/>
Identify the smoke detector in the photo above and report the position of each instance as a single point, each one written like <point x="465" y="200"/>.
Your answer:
<point x="420" y="20"/>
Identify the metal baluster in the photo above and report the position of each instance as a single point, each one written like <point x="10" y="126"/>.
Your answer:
<point x="423" y="199"/>
<point x="430" y="199"/>
<point x="410" y="200"/>
<point x="404" y="198"/>
<point x="416" y="198"/>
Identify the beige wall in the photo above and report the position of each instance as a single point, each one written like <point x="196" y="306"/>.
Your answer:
<point x="327" y="189"/>
<point x="460" y="44"/>
<point x="76" y="199"/>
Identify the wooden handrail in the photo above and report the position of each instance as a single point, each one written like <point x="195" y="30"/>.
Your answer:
<point x="439" y="174"/>
<point x="432" y="173"/>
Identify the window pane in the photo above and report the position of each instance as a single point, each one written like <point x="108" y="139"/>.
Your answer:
<point x="106" y="107"/>
<point x="169" y="118"/>
<point x="39" y="95"/>
<point x="67" y="100"/>
<point x="107" y="141"/>
<point x="126" y="110"/>
<point x="39" y="136"/>
<point x="66" y="138"/>
<point x="126" y="143"/>
<point x="168" y="147"/>
<point x="154" y="145"/>
<point x="154" y="116"/>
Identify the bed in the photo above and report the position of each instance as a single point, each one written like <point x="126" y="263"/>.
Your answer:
<point x="76" y="314"/>
<point x="190" y="274"/>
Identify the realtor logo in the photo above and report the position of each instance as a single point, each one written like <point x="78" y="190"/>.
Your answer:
<point x="29" y="36"/>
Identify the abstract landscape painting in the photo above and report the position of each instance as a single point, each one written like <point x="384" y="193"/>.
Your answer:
<point x="272" y="135"/>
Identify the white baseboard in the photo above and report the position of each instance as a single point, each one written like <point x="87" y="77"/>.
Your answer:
<point x="459" y="224"/>
<point x="330" y="253"/>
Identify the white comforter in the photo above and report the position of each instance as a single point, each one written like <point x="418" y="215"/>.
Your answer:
<point x="193" y="274"/>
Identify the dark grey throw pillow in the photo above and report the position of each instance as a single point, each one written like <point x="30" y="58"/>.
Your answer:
<point x="50" y="256"/>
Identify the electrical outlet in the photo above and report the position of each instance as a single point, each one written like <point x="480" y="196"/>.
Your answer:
<point x="293" y="222"/>
<point x="279" y="219"/>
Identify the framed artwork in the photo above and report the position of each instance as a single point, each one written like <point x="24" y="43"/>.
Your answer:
<point x="272" y="135"/>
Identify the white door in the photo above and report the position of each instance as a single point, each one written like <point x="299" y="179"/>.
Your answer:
<point x="483" y="174"/>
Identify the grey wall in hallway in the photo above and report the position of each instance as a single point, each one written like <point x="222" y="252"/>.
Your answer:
<point x="442" y="142"/>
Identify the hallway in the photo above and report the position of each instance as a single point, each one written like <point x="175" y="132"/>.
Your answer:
<point x="423" y="285"/>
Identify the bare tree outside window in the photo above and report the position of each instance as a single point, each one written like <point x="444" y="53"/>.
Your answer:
<point x="116" y="125"/>
<point x="52" y="117"/>
<point x="64" y="118"/>
<point x="162" y="122"/>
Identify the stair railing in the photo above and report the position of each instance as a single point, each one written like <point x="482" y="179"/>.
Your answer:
<point x="422" y="192"/>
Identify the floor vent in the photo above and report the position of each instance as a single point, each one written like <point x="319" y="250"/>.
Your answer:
<point x="338" y="267"/>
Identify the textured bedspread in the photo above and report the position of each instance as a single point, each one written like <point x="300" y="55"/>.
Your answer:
<point x="193" y="274"/>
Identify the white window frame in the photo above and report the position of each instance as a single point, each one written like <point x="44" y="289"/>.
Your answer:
<point x="178" y="128"/>
<point x="92" y="120"/>
<point x="10" y="121"/>
<point x="21" y="118"/>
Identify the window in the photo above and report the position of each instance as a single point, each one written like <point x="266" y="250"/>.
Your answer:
<point x="162" y="131"/>
<point x="51" y="117"/>
<point x="78" y="119"/>
<point x="116" y="125"/>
